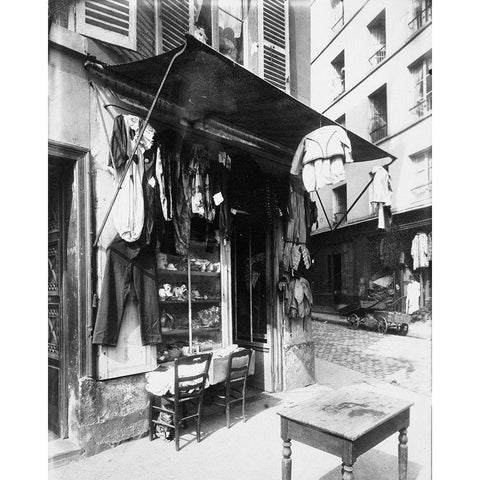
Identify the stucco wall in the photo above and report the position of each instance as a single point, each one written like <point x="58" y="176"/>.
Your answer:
<point x="100" y="413"/>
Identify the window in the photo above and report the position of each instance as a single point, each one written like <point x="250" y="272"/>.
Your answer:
<point x="338" y="66"/>
<point x="422" y="14"/>
<point x="338" y="17"/>
<point x="421" y="177"/>
<point x="342" y="120"/>
<point x="378" y="114"/>
<point x="230" y="29"/>
<point x="422" y="78"/>
<point x="378" y="39"/>
<point x="114" y="21"/>
<point x="339" y="204"/>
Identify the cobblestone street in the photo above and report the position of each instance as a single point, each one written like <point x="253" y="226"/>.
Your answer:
<point x="401" y="361"/>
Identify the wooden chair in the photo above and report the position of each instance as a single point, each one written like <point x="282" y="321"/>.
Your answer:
<point x="233" y="389"/>
<point x="189" y="388"/>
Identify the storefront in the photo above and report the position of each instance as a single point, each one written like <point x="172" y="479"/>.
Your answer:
<point x="210" y="242"/>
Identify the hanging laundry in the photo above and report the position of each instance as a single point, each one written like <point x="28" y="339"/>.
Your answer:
<point x="420" y="251"/>
<point x="130" y="273"/>
<point x="382" y="193"/>
<point x="430" y="248"/>
<point x="320" y="157"/>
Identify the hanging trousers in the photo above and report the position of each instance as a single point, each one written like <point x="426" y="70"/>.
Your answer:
<point x="129" y="274"/>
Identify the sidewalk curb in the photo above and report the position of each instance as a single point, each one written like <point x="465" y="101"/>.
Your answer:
<point x="317" y="318"/>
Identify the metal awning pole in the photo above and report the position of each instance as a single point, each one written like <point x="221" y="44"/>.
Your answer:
<point x="323" y="208"/>
<point x="140" y="135"/>
<point x="348" y="211"/>
<point x="344" y="216"/>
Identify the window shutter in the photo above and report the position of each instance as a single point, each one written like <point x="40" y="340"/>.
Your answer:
<point x="175" y="22"/>
<point x="114" y="21"/>
<point x="275" y="43"/>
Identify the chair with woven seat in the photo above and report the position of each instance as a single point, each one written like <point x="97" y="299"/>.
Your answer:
<point x="232" y="390"/>
<point x="190" y="376"/>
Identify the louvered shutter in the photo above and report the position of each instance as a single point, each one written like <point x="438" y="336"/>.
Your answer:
<point x="275" y="43"/>
<point x="114" y="21"/>
<point x="175" y="22"/>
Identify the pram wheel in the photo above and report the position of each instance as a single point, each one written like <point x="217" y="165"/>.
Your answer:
<point x="382" y="325"/>
<point x="354" y="321"/>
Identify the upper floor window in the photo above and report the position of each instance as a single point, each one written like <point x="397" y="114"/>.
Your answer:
<point x="338" y="16"/>
<point x="377" y="39"/>
<point x="338" y="66"/>
<point x="340" y="204"/>
<point x="114" y="21"/>
<point x="342" y="120"/>
<point x="422" y="77"/>
<point x="421" y="177"/>
<point x="378" y="125"/>
<point x="422" y="14"/>
<point x="230" y="29"/>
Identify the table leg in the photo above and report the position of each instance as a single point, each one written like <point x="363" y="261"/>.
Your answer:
<point x="287" y="461"/>
<point x="347" y="472"/>
<point x="402" y="454"/>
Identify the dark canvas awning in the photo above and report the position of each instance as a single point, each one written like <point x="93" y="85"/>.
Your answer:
<point x="206" y="85"/>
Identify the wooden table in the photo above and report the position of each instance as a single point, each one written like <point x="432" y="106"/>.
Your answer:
<point x="347" y="423"/>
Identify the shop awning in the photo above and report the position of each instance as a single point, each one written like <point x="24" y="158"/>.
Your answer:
<point x="206" y="85"/>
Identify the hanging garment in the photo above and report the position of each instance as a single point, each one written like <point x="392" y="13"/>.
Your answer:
<point x="430" y="248"/>
<point x="320" y="157"/>
<point x="295" y="248"/>
<point x="163" y="172"/>
<point x="382" y="193"/>
<point x="298" y="298"/>
<point x="182" y="210"/>
<point x="130" y="273"/>
<point x="420" y="251"/>
<point x="129" y="209"/>
<point x="153" y="225"/>
<point x="413" y="297"/>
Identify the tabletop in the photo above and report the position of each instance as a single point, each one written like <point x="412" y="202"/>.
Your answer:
<point x="348" y="413"/>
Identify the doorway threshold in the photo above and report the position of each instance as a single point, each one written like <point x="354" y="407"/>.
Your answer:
<point x="62" y="451"/>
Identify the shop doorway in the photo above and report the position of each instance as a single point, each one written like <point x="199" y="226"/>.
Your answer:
<point x="251" y="317"/>
<point x="56" y="259"/>
<point x="335" y="276"/>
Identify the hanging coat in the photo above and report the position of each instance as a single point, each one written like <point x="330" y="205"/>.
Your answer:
<point x="320" y="157"/>
<point x="382" y="193"/>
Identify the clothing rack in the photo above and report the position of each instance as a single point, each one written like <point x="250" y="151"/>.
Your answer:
<point x="139" y="138"/>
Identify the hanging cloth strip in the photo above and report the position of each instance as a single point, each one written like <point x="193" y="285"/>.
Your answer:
<point x="320" y="157"/>
<point x="382" y="192"/>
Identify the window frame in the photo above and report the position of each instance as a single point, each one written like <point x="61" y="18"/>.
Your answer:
<point x="375" y="112"/>
<point x="423" y="157"/>
<point x="338" y="74"/>
<point x="340" y="199"/>
<point x="422" y="105"/>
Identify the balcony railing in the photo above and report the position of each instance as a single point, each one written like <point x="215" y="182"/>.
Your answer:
<point x="378" y="56"/>
<point x="421" y="19"/>
<point x="378" y="133"/>
<point x="422" y="107"/>
<point x="337" y="25"/>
